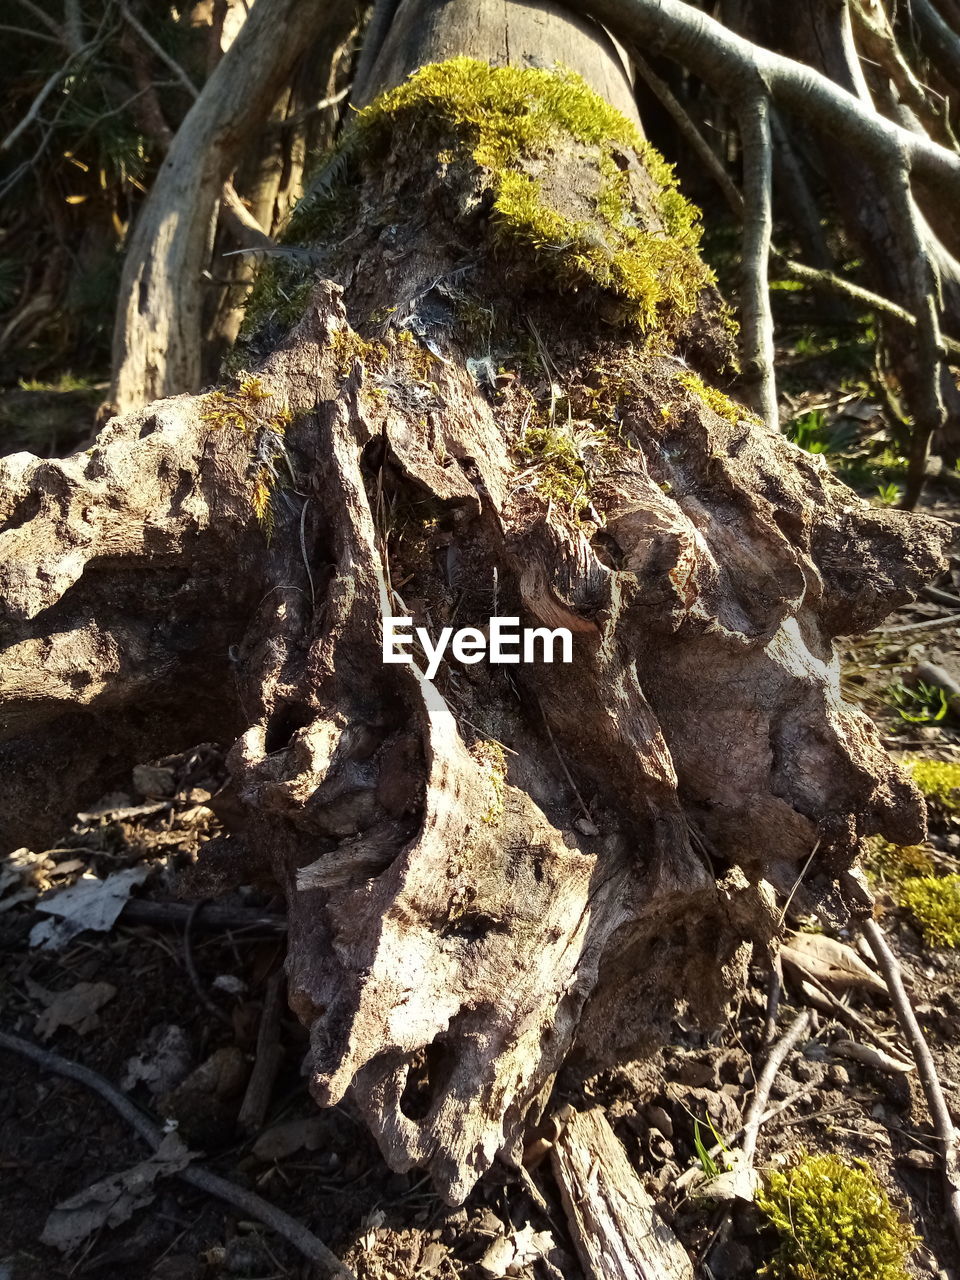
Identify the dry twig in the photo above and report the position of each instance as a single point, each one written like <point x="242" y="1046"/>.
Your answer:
<point x="939" y="1112"/>
<point x="790" y="1038"/>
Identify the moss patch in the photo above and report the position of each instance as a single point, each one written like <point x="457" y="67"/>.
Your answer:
<point x="510" y="120"/>
<point x="834" y="1222"/>
<point x="934" y="902"/>
<point x="491" y="757"/>
<point x="248" y="408"/>
<point x="716" y="400"/>
<point x="938" y="780"/>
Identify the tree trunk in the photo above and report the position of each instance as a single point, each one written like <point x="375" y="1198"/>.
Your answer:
<point x="157" y="341"/>
<point x="474" y="398"/>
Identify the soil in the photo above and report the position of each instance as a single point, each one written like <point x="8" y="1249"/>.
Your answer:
<point x="57" y="1138"/>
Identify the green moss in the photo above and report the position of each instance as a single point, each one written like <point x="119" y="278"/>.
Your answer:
<point x="934" y="902"/>
<point x="278" y="297"/>
<point x="893" y="863"/>
<point x="938" y="780"/>
<point x="491" y="757"/>
<point x="507" y="117"/>
<point x="834" y="1222"/>
<point x="247" y="408"/>
<point x="559" y="471"/>
<point x="716" y="400"/>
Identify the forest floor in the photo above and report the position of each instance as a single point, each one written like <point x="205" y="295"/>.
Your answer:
<point x="176" y="1003"/>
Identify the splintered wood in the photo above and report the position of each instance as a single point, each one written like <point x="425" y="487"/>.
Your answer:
<point x="615" y="1227"/>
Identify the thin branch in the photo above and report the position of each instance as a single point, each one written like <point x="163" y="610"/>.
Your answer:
<point x="698" y="143"/>
<point x="35" y="107"/>
<point x="45" y="18"/>
<point x="789" y="1040"/>
<point x="939" y="1111"/>
<point x="926" y="401"/>
<point x="158" y="50"/>
<point x="757" y="323"/>
<point x="831" y="283"/>
<point x="251" y="1205"/>
<point x="735" y="67"/>
<point x="31" y="35"/>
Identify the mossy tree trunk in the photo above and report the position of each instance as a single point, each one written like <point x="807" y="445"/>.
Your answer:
<point x="480" y="383"/>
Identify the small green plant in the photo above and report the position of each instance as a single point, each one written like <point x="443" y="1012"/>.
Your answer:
<point x="707" y="1163"/>
<point x="934" y="902"/>
<point x="919" y="704"/>
<point x="938" y="780"/>
<point x="811" y="432"/>
<point x="834" y="1222"/>
<point x="888" y="495"/>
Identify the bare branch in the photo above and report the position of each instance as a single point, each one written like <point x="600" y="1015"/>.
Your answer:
<point x="757" y="326"/>
<point x="32" y="35"/>
<point x="735" y="67"/>
<point x="45" y="18"/>
<point x="698" y="143"/>
<point x="158" y="49"/>
<point x="939" y="1111"/>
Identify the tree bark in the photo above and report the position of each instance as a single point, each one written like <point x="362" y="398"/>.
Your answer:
<point x="463" y="417"/>
<point x="158" y="332"/>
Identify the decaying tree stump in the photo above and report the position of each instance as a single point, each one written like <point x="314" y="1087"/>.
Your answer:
<point x="469" y="393"/>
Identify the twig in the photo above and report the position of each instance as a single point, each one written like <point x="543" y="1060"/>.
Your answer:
<point x="698" y="143"/>
<point x="939" y="1112"/>
<point x="191" y="968"/>
<point x="774" y="992"/>
<point x="247" y="1202"/>
<point x="828" y="282"/>
<point x="31" y="35"/>
<point x="843" y="1013"/>
<point x="926" y="398"/>
<point x="34" y="109"/>
<point x="269" y="1057"/>
<point x="45" y="18"/>
<point x="757" y="326"/>
<point x="171" y="915"/>
<point x="790" y="1038"/>
<point x="945" y="621"/>
<point x="158" y="50"/>
<point x="563" y="764"/>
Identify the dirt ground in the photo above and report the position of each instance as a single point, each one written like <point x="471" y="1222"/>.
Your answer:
<point x="181" y="991"/>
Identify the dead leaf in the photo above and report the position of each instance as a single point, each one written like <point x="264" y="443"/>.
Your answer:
<point x="282" y="1140"/>
<point x="90" y="903"/>
<point x="76" y="1008"/>
<point x="113" y="1200"/>
<point x="163" y="1061"/>
<point x="832" y="962"/>
<point x="872" y="1057"/>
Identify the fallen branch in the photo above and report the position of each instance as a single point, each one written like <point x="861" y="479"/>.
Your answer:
<point x="939" y="1111"/>
<point x="790" y="1038"/>
<point x="247" y="1202"/>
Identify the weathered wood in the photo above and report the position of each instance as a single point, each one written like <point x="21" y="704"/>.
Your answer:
<point x="614" y="1223"/>
<point x="485" y="870"/>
